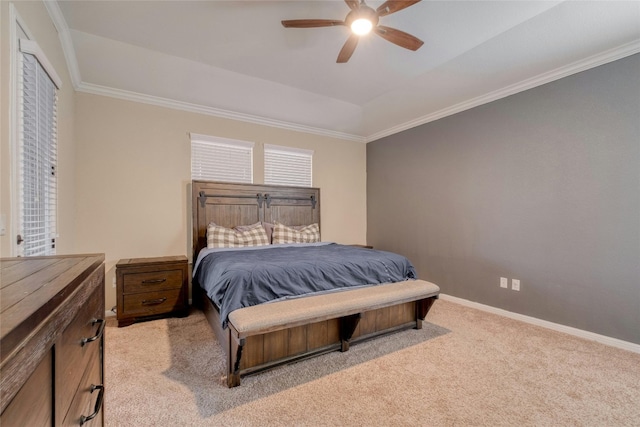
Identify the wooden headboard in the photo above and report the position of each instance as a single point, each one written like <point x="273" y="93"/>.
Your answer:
<point x="230" y="205"/>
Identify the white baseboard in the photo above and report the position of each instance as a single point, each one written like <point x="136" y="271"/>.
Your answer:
<point x="613" y="342"/>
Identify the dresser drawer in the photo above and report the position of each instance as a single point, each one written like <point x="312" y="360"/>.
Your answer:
<point x="75" y="348"/>
<point x="88" y="398"/>
<point x="150" y="303"/>
<point x="152" y="281"/>
<point x="33" y="405"/>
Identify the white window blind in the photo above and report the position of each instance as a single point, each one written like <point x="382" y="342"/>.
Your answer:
<point x="287" y="166"/>
<point x="37" y="153"/>
<point x="221" y="159"/>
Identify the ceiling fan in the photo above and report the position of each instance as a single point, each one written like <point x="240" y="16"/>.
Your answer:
<point x="362" y="19"/>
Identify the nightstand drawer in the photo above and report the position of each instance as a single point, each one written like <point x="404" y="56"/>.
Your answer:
<point x="150" y="303"/>
<point x="152" y="281"/>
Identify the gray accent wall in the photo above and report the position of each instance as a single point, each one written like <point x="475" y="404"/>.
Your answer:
<point x="541" y="186"/>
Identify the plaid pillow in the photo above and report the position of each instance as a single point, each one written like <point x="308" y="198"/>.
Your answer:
<point x="306" y="234"/>
<point x="267" y="227"/>
<point x="222" y="237"/>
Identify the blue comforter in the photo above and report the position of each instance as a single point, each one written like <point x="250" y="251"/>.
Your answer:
<point x="241" y="278"/>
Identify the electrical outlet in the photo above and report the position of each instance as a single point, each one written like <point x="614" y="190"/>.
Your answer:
<point x="515" y="284"/>
<point x="504" y="282"/>
<point x="113" y="283"/>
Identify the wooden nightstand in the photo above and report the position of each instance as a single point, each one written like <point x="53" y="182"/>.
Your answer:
<point x="151" y="287"/>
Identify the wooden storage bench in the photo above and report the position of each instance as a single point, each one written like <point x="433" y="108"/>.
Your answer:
<point x="348" y="307"/>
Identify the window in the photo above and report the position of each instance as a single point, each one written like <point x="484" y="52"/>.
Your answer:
<point x="287" y="166"/>
<point x="220" y="159"/>
<point x="37" y="137"/>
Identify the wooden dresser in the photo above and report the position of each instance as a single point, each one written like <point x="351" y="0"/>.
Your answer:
<point x="51" y="340"/>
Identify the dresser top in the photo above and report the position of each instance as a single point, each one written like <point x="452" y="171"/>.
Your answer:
<point x="31" y="288"/>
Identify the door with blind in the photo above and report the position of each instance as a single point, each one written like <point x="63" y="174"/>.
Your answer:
<point x="36" y="152"/>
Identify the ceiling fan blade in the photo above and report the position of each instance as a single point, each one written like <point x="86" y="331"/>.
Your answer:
<point x="311" y="23"/>
<point x="353" y="4"/>
<point x="348" y="48"/>
<point x="392" y="6"/>
<point x="398" y="37"/>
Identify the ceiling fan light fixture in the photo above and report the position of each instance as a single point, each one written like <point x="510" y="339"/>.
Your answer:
<point x="362" y="20"/>
<point x="361" y="26"/>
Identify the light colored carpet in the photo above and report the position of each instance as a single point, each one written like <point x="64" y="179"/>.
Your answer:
<point x="466" y="367"/>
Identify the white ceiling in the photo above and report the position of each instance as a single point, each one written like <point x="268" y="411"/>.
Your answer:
<point x="234" y="58"/>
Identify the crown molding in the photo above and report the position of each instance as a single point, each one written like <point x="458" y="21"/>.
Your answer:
<point x="76" y="79"/>
<point x="65" y="39"/>
<point x="211" y="111"/>
<point x="602" y="58"/>
<point x="580" y="333"/>
<point x="60" y="23"/>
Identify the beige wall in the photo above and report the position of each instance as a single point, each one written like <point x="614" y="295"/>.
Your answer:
<point x="133" y="176"/>
<point x="124" y="167"/>
<point x="37" y="20"/>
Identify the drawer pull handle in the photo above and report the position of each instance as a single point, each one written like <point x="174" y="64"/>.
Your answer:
<point x="150" y="281"/>
<point x="98" y="406"/>
<point x="98" y="334"/>
<point x="153" y="301"/>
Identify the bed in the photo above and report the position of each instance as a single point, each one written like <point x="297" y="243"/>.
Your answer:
<point x="231" y="205"/>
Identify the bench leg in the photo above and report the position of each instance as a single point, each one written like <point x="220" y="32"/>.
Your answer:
<point x="348" y="326"/>
<point x="422" y="308"/>
<point x="233" y="366"/>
